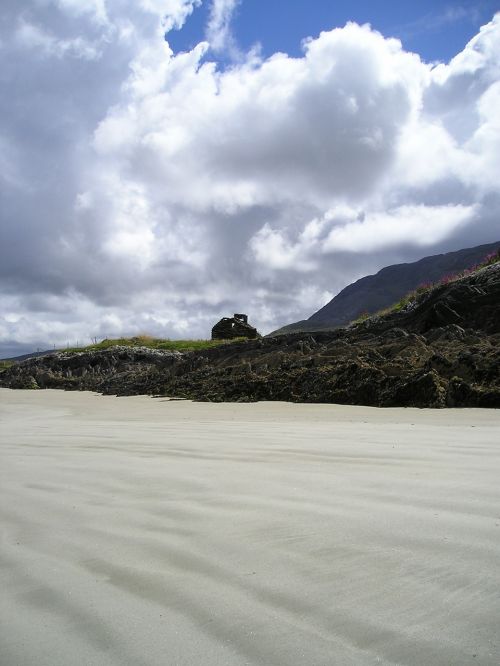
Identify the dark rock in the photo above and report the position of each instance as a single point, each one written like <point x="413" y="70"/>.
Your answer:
<point x="87" y="371"/>
<point x="452" y="332"/>
<point x="442" y="314"/>
<point x="462" y="394"/>
<point x="421" y="390"/>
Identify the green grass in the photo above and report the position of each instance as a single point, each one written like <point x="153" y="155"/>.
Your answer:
<point x="5" y="364"/>
<point x="154" y="343"/>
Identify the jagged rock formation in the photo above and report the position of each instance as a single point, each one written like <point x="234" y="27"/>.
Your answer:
<point x="442" y="350"/>
<point x="375" y="292"/>
<point x="229" y="328"/>
<point x="100" y="370"/>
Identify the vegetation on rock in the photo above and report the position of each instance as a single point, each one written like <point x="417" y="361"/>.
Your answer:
<point x="152" y="343"/>
<point x="378" y="293"/>
<point x="410" y="299"/>
<point x="442" y="350"/>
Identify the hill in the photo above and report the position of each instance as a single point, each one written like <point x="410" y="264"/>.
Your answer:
<point x="376" y="292"/>
<point x="439" y="347"/>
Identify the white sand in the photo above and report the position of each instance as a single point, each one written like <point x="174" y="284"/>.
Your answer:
<point x="138" y="531"/>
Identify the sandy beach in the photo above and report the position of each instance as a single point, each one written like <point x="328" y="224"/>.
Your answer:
<point x="147" y="532"/>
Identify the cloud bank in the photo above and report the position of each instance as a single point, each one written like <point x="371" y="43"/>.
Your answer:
<point x="148" y="191"/>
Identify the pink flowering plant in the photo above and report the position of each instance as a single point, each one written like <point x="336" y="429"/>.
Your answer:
<point x="409" y="299"/>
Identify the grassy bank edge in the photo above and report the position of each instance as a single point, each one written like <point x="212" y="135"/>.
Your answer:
<point x="152" y="343"/>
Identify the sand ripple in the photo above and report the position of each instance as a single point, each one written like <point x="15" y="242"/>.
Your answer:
<point x="147" y="532"/>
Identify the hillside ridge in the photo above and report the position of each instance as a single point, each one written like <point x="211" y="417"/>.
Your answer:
<point x="372" y="293"/>
<point x="442" y="349"/>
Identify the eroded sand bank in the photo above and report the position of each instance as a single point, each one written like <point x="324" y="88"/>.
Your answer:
<point x="138" y="531"/>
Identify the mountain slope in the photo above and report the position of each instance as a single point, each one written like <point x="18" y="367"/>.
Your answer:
<point x="375" y="292"/>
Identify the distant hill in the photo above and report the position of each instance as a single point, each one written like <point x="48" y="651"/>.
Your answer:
<point x="375" y="292"/>
<point x="23" y="357"/>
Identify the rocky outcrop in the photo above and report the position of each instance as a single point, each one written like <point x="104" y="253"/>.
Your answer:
<point x="375" y="292"/>
<point x="101" y="370"/>
<point x="441" y="350"/>
<point x="379" y="370"/>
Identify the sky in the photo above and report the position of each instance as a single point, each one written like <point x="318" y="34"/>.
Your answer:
<point x="164" y="163"/>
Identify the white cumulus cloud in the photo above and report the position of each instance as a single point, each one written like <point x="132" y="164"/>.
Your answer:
<point x="219" y="24"/>
<point x="145" y="190"/>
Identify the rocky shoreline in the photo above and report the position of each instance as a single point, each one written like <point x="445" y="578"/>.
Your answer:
<point x="441" y="351"/>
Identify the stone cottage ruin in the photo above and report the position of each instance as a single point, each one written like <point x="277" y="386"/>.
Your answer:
<point x="229" y="328"/>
